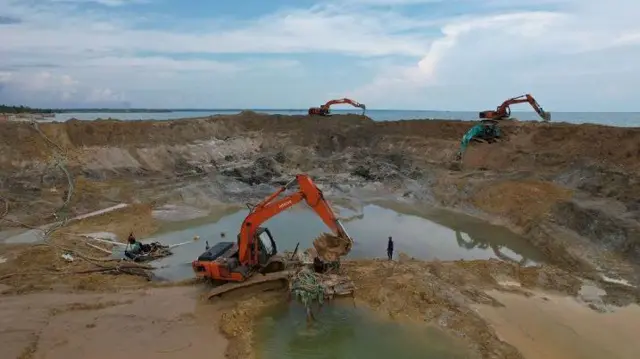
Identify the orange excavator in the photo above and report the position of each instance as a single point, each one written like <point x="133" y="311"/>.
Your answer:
<point x="234" y="264"/>
<point x="325" y="110"/>
<point x="504" y="110"/>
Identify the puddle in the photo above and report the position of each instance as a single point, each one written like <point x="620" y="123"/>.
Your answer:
<point x="342" y="331"/>
<point x="21" y="236"/>
<point x="26" y="237"/>
<point x="170" y="212"/>
<point x="8" y="233"/>
<point x="417" y="236"/>
<point x="554" y="327"/>
<point x="205" y="218"/>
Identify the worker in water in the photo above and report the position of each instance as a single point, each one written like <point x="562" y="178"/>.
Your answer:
<point x="134" y="248"/>
<point x="390" y="248"/>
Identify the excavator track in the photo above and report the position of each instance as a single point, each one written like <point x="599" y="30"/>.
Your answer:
<point x="257" y="283"/>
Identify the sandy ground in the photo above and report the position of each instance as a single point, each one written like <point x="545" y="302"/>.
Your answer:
<point x="548" y="326"/>
<point x="167" y="323"/>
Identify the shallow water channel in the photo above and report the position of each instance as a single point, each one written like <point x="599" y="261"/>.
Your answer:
<point x="423" y="235"/>
<point x="343" y="331"/>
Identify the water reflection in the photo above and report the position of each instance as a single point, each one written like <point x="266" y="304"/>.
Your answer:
<point x="496" y="248"/>
<point x="442" y="235"/>
<point x="472" y="234"/>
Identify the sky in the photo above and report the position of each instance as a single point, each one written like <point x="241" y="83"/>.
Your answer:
<point x="571" y="55"/>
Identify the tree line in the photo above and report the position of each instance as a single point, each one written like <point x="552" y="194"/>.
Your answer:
<point x="23" y="109"/>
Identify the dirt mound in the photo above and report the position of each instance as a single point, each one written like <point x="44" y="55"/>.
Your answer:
<point x="541" y="145"/>
<point x="237" y="325"/>
<point x="523" y="202"/>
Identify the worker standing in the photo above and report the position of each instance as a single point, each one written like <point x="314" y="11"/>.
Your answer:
<point x="390" y="248"/>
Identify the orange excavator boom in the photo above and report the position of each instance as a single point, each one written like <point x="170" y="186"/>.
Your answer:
<point x="325" y="109"/>
<point x="271" y="206"/>
<point x="503" y="111"/>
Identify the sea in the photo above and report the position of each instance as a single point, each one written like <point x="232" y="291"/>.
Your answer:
<point x="621" y="119"/>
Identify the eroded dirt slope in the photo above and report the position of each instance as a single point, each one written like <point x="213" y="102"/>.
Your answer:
<point x="573" y="190"/>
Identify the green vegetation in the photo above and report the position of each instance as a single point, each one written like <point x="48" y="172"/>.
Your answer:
<point x="23" y="109"/>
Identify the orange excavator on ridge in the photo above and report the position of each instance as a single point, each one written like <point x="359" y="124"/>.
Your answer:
<point x="504" y="110"/>
<point x="233" y="264"/>
<point x="325" y="110"/>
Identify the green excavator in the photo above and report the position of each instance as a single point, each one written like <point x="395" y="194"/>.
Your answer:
<point x="485" y="131"/>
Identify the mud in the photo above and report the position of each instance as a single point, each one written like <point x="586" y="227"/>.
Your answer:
<point x="571" y="190"/>
<point x="553" y="327"/>
<point x="143" y="324"/>
<point x="331" y="248"/>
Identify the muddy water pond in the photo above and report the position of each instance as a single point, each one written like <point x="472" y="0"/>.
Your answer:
<point x="343" y="331"/>
<point x="441" y="235"/>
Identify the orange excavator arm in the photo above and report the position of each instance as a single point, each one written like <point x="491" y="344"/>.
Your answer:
<point x="324" y="109"/>
<point x="344" y="100"/>
<point x="504" y="110"/>
<point x="271" y="207"/>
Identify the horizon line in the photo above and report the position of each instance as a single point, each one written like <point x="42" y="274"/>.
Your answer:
<point x="152" y="109"/>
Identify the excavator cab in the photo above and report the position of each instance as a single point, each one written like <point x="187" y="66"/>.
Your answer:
<point x="221" y="260"/>
<point x="266" y="245"/>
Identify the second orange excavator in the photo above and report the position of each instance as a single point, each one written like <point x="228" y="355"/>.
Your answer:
<point x="325" y="110"/>
<point x="255" y="251"/>
<point x="504" y="110"/>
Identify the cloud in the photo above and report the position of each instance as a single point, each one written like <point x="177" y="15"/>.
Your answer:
<point x="8" y="20"/>
<point x="104" y="2"/>
<point x="319" y="29"/>
<point x="454" y="54"/>
<point x="505" y="54"/>
<point x="123" y="53"/>
<point x="390" y="2"/>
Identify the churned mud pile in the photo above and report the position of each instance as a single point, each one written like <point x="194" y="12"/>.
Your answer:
<point x="331" y="248"/>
